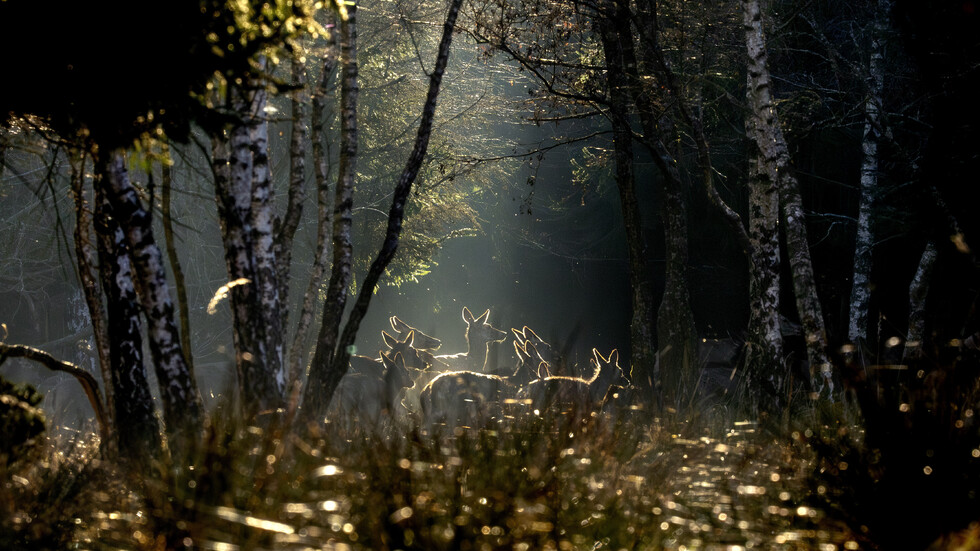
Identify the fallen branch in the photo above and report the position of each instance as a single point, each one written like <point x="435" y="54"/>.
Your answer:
<point x="88" y="382"/>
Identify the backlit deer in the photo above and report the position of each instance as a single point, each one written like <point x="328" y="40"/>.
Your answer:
<point x="479" y="336"/>
<point x="528" y="361"/>
<point x="421" y="341"/>
<point x="414" y="360"/>
<point x="415" y="357"/>
<point x="544" y="350"/>
<point x="364" y="399"/>
<point x="575" y="396"/>
<point x="464" y="399"/>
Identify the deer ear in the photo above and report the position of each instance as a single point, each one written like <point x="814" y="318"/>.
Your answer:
<point x="399" y="361"/>
<point x="467" y="315"/>
<point x="543" y="370"/>
<point x="614" y="357"/>
<point x="519" y="350"/>
<point x="598" y="357"/>
<point x="518" y="334"/>
<point x="531" y="335"/>
<point x="386" y="360"/>
<point x="397" y="324"/>
<point x="389" y="340"/>
<point x="410" y="338"/>
<point x="484" y="316"/>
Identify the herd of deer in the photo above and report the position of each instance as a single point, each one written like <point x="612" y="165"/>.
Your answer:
<point x="459" y="390"/>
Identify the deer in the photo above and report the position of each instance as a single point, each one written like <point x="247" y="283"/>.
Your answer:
<point x="577" y="396"/>
<point x="546" y="352"/>
<point x="367" y="398"/>
<point x="421" y="341"/>
<point x="414" y="359"/>
<point x="464" y="399"/>
<point x="479" y="336"/>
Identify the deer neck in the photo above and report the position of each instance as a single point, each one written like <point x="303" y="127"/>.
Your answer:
<point x="476" y="353"/>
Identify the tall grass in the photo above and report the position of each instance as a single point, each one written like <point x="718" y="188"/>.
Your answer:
<point x="827" y="479"/>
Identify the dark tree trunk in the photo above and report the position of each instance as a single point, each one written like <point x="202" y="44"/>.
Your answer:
<point x="321" y="173"/>
<point x="610" y="22"/>
<point x="168" y="236"/>
<point x="86" y="255"/>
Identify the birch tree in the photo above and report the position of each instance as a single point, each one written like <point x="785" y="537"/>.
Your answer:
<point x="183" y="412"/>
<point x="864" y="235"/>
<point x="330" y="359"/>
<point x="776" y="163"/>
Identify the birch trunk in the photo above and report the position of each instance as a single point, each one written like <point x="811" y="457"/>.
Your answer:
<point x="918" y="290"/>
<point x="774" y="156"/>
<point x="324" y="375"/>
<point x="765" y="341"/>
<point x="243" y="191"/>
<point x="232" y="194"/>
<point x="324" y="378"/>
<point x="857" y="331"/>
<point x="138" y="434"/>
<point x="183" y="412"/>
<point x="321" y="172"/>
<point x="269" y="392"/>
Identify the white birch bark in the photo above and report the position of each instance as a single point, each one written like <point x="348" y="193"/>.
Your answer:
<point x="765" y="342"/>
<point x="918" y="290"/>
<point x="775" y="158"/>
<point x="268" y="326"/>
<point x="864" y="236"/>
<point x="182" y="408"/>
<point x="138" y="434"/>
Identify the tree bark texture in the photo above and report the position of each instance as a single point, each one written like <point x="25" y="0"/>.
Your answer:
<point x="180" y="286"/>
<point x="183" y="412"/>
<point x="918" y="291"/>
<point x="269" y="325"/>
<point x="297" y="186"/>
<point x="321" y="174"/>
<point x="775" y="159"/>
<point x="138" y="430"/>
<point x="765" y="341"/>
<point x="246" y="214"/>
<point x="86" y="255"/>
<point x="324" y="376"/>
<point x="857" y="331"/>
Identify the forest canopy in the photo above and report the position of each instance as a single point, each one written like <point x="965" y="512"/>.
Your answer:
<point x="118" y="69"/>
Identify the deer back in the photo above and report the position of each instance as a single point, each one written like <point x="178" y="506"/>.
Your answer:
<point x="463" y="398"/>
